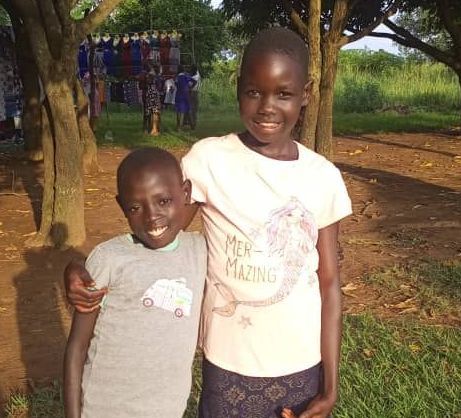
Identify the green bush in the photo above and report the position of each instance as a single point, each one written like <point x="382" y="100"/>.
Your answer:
<point x="359" y="95"/>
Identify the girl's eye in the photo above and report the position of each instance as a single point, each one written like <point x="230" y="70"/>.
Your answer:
<point x="253" y="93"/>
<point x="164" y="202"/>
<point x="134" y="208"/>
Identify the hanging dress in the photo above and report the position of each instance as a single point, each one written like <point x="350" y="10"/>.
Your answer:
<point x="126" y="57"/>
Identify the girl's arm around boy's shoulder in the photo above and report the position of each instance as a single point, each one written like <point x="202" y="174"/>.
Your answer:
<point x="74" y="359"/>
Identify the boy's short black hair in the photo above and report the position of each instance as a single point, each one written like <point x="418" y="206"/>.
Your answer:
<point x="145" y="157"/>
<point x="280" y="41"/>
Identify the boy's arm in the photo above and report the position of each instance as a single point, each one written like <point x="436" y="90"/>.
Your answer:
<point x="331" y="325"/>
<point x="74" y="359"/>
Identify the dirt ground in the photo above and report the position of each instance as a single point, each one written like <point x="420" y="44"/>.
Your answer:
<point x="406" y="192"/>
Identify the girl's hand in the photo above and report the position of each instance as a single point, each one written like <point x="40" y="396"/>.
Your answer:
<point x="319" y="407"/>
<point x="288" y="413"/>
<point x="78" y="284"/>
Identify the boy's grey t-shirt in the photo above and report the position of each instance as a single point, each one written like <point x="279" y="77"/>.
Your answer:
<point x="140" y="357"/>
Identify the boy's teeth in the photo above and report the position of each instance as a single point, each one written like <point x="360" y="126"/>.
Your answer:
<point x="158" y="231"/>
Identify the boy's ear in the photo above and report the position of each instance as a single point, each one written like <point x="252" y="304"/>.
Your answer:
<point x="187" y="188"/>
<point x="307" y="91"/>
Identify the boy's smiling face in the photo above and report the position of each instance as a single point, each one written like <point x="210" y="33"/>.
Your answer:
<point x="271" y="92"/>
<point x="153" y="200"/>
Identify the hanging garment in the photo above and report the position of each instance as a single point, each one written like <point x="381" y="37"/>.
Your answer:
<point x="108" y="55"/>
<point x="126" y="57"/>
<point x="165" y="50"/>
<point x="117" y="58"/>
<point x="154" y="44"/>
<point x="135" y="57"/>
<point x="130" y="90"/>
<point x="145" y="51"/>
<point x="83" y="59"/>
<point x="174" y="51"/>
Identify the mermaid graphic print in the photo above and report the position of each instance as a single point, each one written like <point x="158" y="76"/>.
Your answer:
<point x="289" y="235"/>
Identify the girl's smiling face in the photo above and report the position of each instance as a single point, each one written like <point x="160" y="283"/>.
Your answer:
<point x="271" y="92"/>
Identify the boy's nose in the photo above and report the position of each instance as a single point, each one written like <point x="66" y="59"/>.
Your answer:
<point x="152" y="212"/>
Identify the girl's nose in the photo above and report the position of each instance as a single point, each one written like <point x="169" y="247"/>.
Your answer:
<point x="266" y="105"/>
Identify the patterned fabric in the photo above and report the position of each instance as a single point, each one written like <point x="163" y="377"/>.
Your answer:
<point x="226" y="394"/>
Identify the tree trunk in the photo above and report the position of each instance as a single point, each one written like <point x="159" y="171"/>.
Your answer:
<point x="309" y="125"/>
<point x="90" y="149"/>
<point x="32" y="110"/>
<point x="43" y="235"/>
<point x="324" y="132"/>
<point x="68" y="227"/>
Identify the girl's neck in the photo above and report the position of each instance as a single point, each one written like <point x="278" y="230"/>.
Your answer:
<point x="283" y="151"/>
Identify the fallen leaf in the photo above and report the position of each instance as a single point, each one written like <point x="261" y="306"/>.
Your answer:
<point x="348" y="289"/>
<point x="356" y="152"/>
<point x="368" y="352"/>
<point x="414" y="347"/>
<point x="413" y="309"/>
<point x="426" y="164"/>
<point x="417" y="206"/>
<point x="405" y="304"/>
<point x="91" y="190"/>
<point x="29" y="234"/>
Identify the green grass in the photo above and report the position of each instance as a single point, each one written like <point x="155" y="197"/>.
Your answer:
<point x="388" y="369"/>
<point x="399" y="369"/>
<point x="126" y="125"/>
<point x="435" y="285"/>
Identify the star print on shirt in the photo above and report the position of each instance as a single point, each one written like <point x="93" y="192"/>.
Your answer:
<point x="245" y="321"/>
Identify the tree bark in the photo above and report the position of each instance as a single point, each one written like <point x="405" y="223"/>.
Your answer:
<point x="90" y="149"/>
<point x="46" y="219"/>
<point x="324" y="131"/>
<point x="32" y="116"/>
<point x="309" y="125"/>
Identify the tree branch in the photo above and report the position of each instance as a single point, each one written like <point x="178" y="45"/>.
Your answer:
<point x="295" y="18"/>
<point x="52" y="26"/>
<point x="452" y="26"/>
<point x="95" y="18"/>
<point x="391" y="10"/>
<point x="413" y="42"/>
<point x="338" y="21"/>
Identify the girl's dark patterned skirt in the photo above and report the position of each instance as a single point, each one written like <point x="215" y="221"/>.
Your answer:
<point x="226" y="394"/>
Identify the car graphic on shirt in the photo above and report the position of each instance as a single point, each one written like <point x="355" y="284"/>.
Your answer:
<point x="171" y="295"/>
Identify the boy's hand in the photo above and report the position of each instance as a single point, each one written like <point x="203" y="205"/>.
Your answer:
<point x="78" y="283"/>
<point x="288" y="413"/>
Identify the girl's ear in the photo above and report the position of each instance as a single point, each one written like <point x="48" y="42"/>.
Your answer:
<point x="307" y="92"/>
<point x="239" y="81"/>
<point x="187" y="188"/>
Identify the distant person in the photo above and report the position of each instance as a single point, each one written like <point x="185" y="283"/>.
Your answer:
<point x="194" y="96"/>
<point x="271" y="315"/>
<point x="184" y="82"/>
<point x="133" y="356"/>
<point x="151" y="85"/>
<point x="170" y="92"/>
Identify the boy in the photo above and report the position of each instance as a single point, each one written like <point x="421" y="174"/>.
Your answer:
<point x="133" y="356"/>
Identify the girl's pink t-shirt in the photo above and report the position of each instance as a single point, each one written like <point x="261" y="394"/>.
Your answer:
<point x="262" y="309"/>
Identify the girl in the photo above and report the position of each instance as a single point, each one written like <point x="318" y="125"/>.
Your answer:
<point x="271" y="316"/>
<point x="151" y="85"/>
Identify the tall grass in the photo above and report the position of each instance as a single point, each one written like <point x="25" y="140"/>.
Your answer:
<point x="367" y="81"/>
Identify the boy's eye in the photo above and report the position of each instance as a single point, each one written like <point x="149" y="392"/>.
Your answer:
<point x="134" y="208"/>
<point x="284" y="94"/>
<point x="164" y="202"/>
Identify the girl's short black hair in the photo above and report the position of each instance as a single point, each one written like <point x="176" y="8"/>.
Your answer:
<point x="280" y="41"/>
